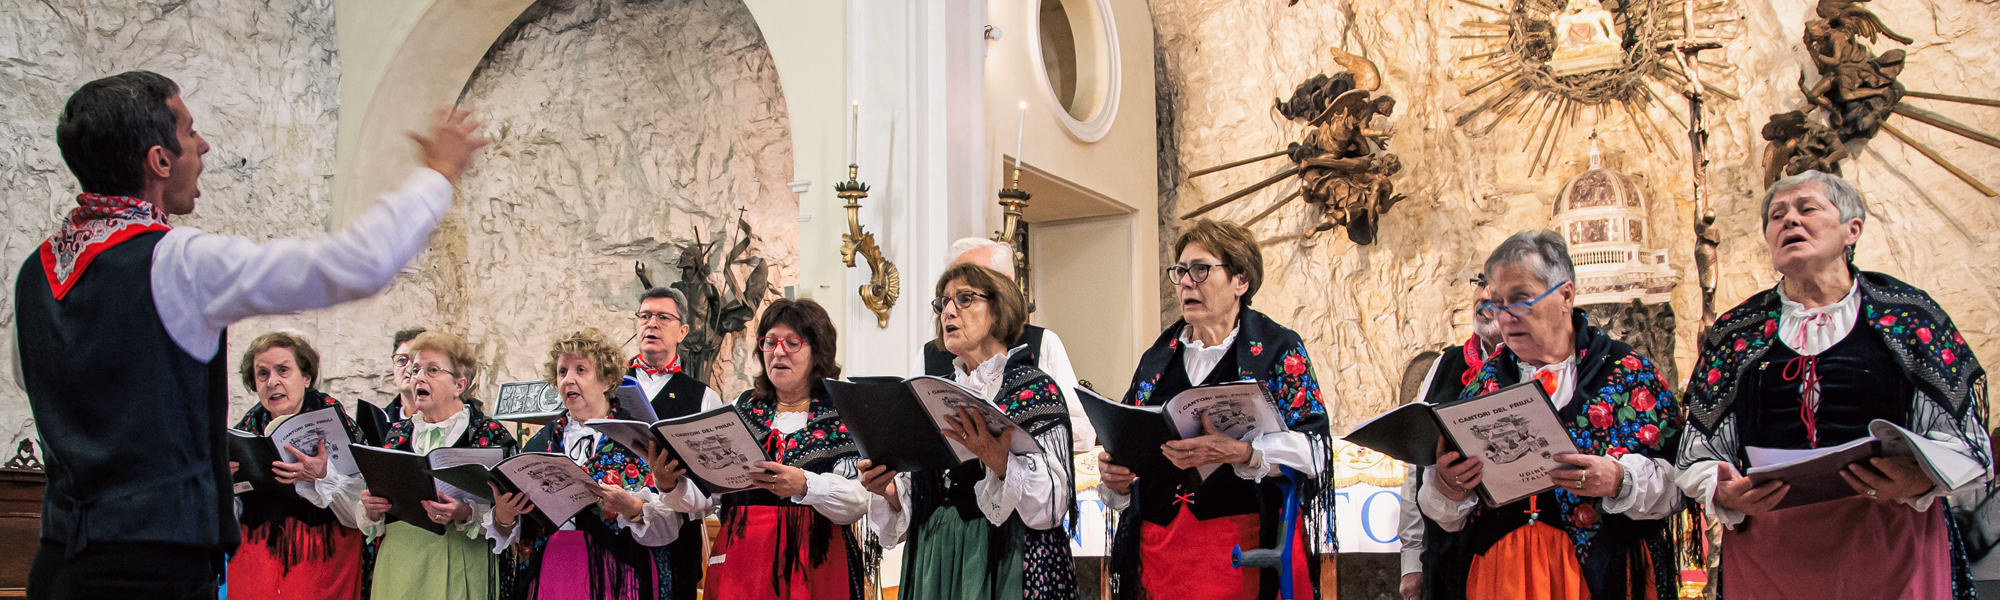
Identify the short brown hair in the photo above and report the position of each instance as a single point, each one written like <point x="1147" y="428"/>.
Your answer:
<point x="810" y="321"/>
<point x="302" y="353"/>
<point x="591" y="345"/>
<point x="1232" y="243"/>
<point x="404" y="337"/>
<point x="1010" y="309"/>
<point x="452" y="348"/>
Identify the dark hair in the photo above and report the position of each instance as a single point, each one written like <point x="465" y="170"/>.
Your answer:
<point x="404" y="337"/>
<point x="302" y="354"/>
<point x="108" y="126"/>
<point x="1010" y="310"/>
<point x="680" y="299"/>
<point x="1232" y="243"/>
<point x="810" y="321"/>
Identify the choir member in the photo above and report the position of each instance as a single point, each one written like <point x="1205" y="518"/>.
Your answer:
<point x="604" y="552"/>
<point x="1178" y="539"/>
<point x="413" y="562"/>
<point x="1448" y="375"/>
<point x="1809" y="364"/>
<point x="124" y="315"/>
<point x="292" y="545"/>
<point x="1602" y="533"/>
<point x="789" y="538"/>
<point x="660" y="325"/>
<point x="991" y="527"/>
<point x="1043" y="346"/>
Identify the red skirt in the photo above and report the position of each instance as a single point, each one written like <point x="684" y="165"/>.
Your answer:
<point x="1189" y="558"/>
<point x="744" y="559"/>
<point x="1853" y="548"/>
<point x="255" y="573"/>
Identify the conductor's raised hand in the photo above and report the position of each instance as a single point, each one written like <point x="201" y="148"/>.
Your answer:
<point x="449" y="147"/>
<point x="666" y="472"/>
<point x="308" y="469"/>
<point x="969" y="428"/>
<point x="375" y="505"/>
<point x="508" y="508"/>
<point x="1212" y="447"/>
<point x="1113" y="476"/>
<point x="881" y="481"/>
<point x="1738" y="493"/>
<point x="1457" y="474"/>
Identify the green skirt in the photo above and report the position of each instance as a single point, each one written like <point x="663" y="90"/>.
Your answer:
<point x="951" y="558"/>
<point x="416" y="564"/>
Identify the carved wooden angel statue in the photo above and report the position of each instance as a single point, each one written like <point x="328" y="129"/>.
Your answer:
<point x="1849" y="16"/>
<point x="1799" y="144"/>
<point x="1856" y="87"/>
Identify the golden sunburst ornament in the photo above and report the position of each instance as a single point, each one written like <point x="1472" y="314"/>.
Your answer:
<point x="1543" y="62"/>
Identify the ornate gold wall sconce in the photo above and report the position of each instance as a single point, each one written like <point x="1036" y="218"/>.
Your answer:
<point x="1014" y="232"/>
<point x="884" y="285"/>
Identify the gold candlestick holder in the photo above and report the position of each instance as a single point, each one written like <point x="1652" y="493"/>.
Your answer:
<point x="884" y="284"/>
<point x="1014" y="232"/>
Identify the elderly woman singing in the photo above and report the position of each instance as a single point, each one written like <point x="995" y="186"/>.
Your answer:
<point x="1810" y="363"/>
<point x="1602" y="534"/>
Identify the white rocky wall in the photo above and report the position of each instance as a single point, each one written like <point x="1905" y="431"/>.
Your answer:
<point x="621" y="129"/>
<point x="262" y="80"/>
<point x="1365" y="311"/>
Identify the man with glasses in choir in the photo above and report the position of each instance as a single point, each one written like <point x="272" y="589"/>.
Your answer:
<point x="657" y="369"/>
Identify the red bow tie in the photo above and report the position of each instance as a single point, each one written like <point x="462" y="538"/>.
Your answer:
<point x="639" y="363"/>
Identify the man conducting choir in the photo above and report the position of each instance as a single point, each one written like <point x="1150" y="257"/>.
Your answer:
<point x="124" y="315"/>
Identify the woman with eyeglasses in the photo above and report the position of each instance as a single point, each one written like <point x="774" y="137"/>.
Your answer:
<point x="789" y="538"/>
<point x="1810" y="363"/>
<point x="1602" y="534"/>
<point x="295" y="540"/>
<point x="605" y="552"/>
<point x="412" y="562"/>
<point x="991" y="527"/>
<point x="1181" y="536"/>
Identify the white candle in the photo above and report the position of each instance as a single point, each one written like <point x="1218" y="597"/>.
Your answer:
<point x="1020" y="133"/>
<point x="853" y="131"/>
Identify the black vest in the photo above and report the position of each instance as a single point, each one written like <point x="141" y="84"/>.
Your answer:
<point x="937" y="362"/>
<point x="133" y="426"/>
<point x="1860" y="382"/>
<point x="1222" y="494"/>
<point x="681" y="397"/>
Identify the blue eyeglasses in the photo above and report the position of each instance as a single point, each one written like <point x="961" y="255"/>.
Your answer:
<point x="1518" y="309"/>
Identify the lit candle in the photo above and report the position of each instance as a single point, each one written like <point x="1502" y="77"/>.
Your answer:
<point x="1020" y="133"/>
<point x="853" y="131"/>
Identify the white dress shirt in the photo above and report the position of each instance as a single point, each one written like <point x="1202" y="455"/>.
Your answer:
<point x="1037" y="486"/>
<point x="1648" y="491"/>
<point x="1054" y="360"/>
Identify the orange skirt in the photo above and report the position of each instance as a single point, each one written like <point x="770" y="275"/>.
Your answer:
<point x="1536" y="561"/>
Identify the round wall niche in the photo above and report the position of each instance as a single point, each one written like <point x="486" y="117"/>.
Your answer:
<point x="1076" y="52"/>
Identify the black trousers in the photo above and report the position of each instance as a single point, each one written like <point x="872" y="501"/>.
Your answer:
<point x="125" y="570"/>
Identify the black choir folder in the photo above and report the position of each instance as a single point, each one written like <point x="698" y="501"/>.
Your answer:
<point x="1133" y="434"/>
<point x="407" y="479"/>
<point x="1815" y="474"/>
<point x="1514" y="431"/>
<point x="715" y="446"/>
<point x="254" y="453"/>
<point x="900" y="424"/>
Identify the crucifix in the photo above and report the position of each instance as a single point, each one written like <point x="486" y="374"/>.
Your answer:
<point x="1687" y="52"/>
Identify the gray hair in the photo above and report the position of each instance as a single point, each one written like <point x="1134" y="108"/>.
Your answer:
<point x="1542" y="251"/>
<point x="1001" y="260"/>
<point x="1838" y="191"/>
<point x="680" y="299"/>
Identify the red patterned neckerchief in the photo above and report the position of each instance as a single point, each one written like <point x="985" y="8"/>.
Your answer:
<point x="639" y="364"/>
<point x="1474" y="361"/>
<point x="95" y="225"/>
